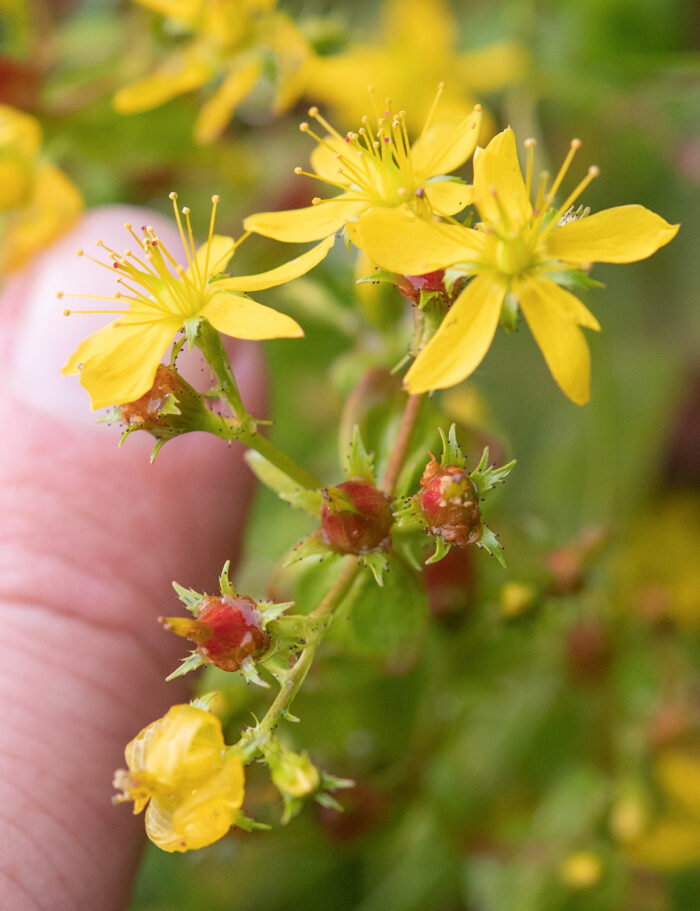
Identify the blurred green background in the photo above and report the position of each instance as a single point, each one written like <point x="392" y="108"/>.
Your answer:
<point x="522" y="740"/>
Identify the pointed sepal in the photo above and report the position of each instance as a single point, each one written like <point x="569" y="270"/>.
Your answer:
<point x="489" y="543"/>
<point x="360" y="463"/>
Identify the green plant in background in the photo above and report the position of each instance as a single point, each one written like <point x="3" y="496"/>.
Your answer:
<point x="522" y="737"/>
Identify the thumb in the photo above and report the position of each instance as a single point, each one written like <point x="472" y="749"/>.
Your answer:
<point x="90" y="539"/>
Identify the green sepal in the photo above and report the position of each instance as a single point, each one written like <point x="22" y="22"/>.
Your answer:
<point x="251" y="675"/>
<point x="442" y="549"/>
<point x="241" y="821"/>
<point x="327" y="800"/>
<point x="407" y="517"/>
<point x="508" y="318"/>
<point x="574" y="278"/>
<point x="272" y="610"/>
<point x="287" y="715"/>
<point x="225" y="586"/>
<point x="379" y="276"/>
<point x="332" y="783"/>
<point x="451" y="451"/>
<point x="489" y="543"/>
<point x="485" y="478"/>
<point x="292" y="807"/>
<point x="191" y="663"/>
<point x="296" y="628"/>
<point x="452" y="275"/>
<point x="360" y="463"/>
<point x="189" y="597"/>
<point x="312" y="545"/>
<point x="377" y="562"/>
<point x="204" y="701"/>
<point x="425" y="298"/>
<point x="111" y="416"/>
<point x="191" y="328"/>
<point x="311" y="501"/>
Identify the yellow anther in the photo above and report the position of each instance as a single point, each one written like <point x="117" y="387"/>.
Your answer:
<point x="594" y="170"/>
<point x="316" y="201"/>
<point x="79" y="252"/>
<point x="216" y="199"/>
<point x="575" y="143"/>
<point x="172" y="195"/>
<point x="298" y="170"/>
<point x="59" y="294"/>
<point x="304" y="127"/>
<point x="313" y="111"/>
<point x="66" y="312"/>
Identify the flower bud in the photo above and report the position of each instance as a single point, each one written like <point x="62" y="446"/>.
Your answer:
<point x="448" y="501"/>
<point x="294" y="774"/>
<point x="411" y="286"/>
<point x="146" y="409"/>
<point x="358" y="520"/>
<point x="226" y="630"/>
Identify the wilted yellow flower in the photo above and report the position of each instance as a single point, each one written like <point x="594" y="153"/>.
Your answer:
<point x="37" y="201"/>
<point x="378" y="167"/>
<point x="521" y="253"/>
<point x="118" y="363"/>
<point x="180" y="767"/>
<point x="415" y="52"/>
<point x="231" y="40"/>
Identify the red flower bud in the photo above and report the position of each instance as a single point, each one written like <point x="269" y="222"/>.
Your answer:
<point x="361" y="526"/>
<point x="146" y="409"/>
<point x="227" y="630"/>
<point x="448" y="502"/>
<point x="412" y="285"/>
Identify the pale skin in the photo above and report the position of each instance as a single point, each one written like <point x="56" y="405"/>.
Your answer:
<point x="90" y="539"/>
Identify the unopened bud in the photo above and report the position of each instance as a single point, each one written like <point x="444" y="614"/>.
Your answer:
<point x="226" y="630"/>
<point x="448" y="501"/>
<point x="146" y="409"/>
<point x="360" y="525"/>
<point x="412" y="285"/>
<point x="294" y="774"/>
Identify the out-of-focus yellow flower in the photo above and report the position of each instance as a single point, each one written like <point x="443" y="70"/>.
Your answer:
<point x="520" y="254"/>
<point x="672" y="841"/>
<point x="231" y="40"/>
<point x="417" y="51"/>
<point x="581" y="870"/>
<point x="659" y="575"/>
<point x="37" y="201"/>
<point x="180" y="767"/>
<point x="379" y="168"/>
<point x="118" y="363"/>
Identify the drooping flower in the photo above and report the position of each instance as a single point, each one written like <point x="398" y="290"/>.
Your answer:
<point x="415" y="51"/>
<point x="231" y="41"/>
<point x="378" y="167"/>
<point x="180" y="767"/>
<point x="160" y="297"/>
<point x="520" y="254"/>
<point x="37" y="201"/>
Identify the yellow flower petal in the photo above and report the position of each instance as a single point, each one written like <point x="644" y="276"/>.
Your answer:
<point x="179" y="74"/>
<point x="445" y="146"/>
<point x="221" y="250"/>
<point x="448" y="197"/>
<point x="302" y="225"/>
<point x="672" y="844"/>
<point x="624" y="234"/>
<point x="185" y="10"/>
<point x="678" y="772"/>
<point x="284" y="273"/>
<point x="188" y="821"/>
<point x="124" y="371"/>
<point x="459" y="345"/>
<point x="496" y="169"/>
<point x="218" y="111"/>
<point x="491" y="67"/>
<point x="570" y="305"/>
<point x="241" y="317"/>
<point x="396" y="240"/>
<point x="325" y="162"/>
<point x="422" y="28"/>
<point x="548" y="312"/>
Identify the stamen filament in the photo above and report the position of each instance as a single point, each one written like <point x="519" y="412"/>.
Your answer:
<point x="574" y="146"/>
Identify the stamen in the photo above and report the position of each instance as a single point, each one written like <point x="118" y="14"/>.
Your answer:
<point x="215" y="200"/>
<point x="538" y="208"/>
<point x="530" y="146"/>
<point x="574" y="146"/>
<point x="593" y="172"/>
<point x="173" y="197"/>
<point x="433" y="108"/>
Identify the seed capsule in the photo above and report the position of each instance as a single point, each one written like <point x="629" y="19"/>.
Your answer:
<point x="362" y="525"/>
<point x="448" y="503"/>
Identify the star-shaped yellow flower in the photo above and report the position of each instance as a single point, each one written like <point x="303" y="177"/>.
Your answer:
<point x="416" y="50"/>
<point x="118" y="363"/>
<point x="179" y="766"/>
<point x="37" y="201"/>
<point x="231" y="42"/>
<point x="378" y="167"/>
<point x="520" y="255"/>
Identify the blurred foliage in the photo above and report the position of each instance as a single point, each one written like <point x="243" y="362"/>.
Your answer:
<point x="544" y="758"/>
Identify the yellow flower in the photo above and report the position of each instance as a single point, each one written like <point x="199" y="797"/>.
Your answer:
<point x="179" y="766"/>
<point x="378" y="168"/>
<point x="416" y="51"/>
<point x="37" y="201"/>
<point x="117" y="364"/>
<point x="520" y="254"/>
<point x="231" y="40"/>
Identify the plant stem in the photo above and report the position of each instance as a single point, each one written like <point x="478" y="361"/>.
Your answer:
<point x="298" y="672"/>
<point x="403" y="439"/>
<point x="245" y="430"/>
